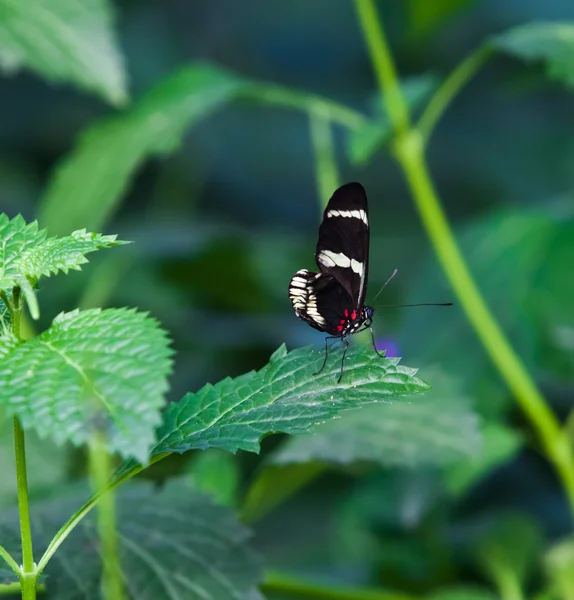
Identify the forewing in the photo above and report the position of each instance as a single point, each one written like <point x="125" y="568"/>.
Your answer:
<point x="320" y="300"/>
<point x="343" y="246"/>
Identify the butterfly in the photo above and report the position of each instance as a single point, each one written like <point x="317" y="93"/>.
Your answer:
<point x="333" y="300"/>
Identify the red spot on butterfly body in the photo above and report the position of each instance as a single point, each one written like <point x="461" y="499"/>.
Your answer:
<point x="346" y="312"/>
<point x="354" y="314"/>
<point x="339" y="327"/>
<point x="342" y="321"/>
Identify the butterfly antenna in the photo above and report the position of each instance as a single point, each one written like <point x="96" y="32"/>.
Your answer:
<point x="422" y="304"/>
<point x="385" y="284"/>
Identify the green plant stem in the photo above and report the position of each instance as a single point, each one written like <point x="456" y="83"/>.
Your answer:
<point x="28" y="570"/>
<point x="326" y="173"/>
<point x="440" y="100"/>
<point x="17" y="307"/>
<point x="76" y="518"/>
<point x="100" y="470"/>
<point x="287" y="98"/>
<point x="507" y="583"/>
<point x="384" y="66"/>
<point x="409" y="149"/>
<point x="5" y="555"/>
<point x="11" y="589"/>
<point x="293" y="587"/>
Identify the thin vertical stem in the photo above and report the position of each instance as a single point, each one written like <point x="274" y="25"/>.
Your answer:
<point x="28" y="576"/>
<point x="100" y="469"/>
<point x="409" y="151"/>
<point x="326" y="172"/>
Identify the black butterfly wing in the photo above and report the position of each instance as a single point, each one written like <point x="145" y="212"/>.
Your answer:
<point x="320" y="300"/>
<point x="343" y="246"/>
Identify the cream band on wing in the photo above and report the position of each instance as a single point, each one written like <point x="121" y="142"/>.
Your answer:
<point x="357" y="214"/>
<point x="334" y="259"/>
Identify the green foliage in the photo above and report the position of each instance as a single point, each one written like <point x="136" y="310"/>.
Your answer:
<point x="64" y="40"/>
<point x="88" y="184"/>
<point x="552" y="43"/>
<point x="558" y="562"/>
<point x="216" y="473"/>
<point x="363" y="142"/>
<point x="509" y="549"/>
<point x="174" y="543"/>
<point x="518" y="259"/>
<point x="460" y="593"/>
<point x="425" y="17"/>
<point x="91" y="371"/>
<point x="28" y="254"/>
<point x="284" y="396"/>
<point x="499" y="445"/>
<point x="395" y="435"/>
<point x="46" y="462"/>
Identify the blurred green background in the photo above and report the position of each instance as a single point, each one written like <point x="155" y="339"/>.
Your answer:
<point x="222" y="222"/>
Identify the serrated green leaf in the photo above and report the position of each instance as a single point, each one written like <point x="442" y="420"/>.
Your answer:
<point x="396" y="434"/>
<point x="26" y="254"/>
<point x="550" y="42"/>
<point x="90" y="182"/>
<point x="90" y="371"/>
<point x="175" y="544"/>
<point x="64" y="40"/>
<point x="363" y="142"/>
<point x="284" y="396"/>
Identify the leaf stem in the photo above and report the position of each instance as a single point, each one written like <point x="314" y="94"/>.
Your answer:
<point x="4" y="554"/>
<point x="17" y="307"/>
<point x="440" y="100"/>
<point x="326" y="173"/>
<point x="100" y="470"/>
<point x="338" y="113"/>
<point x="28" y="572"/>
<point x="409" y="150"/>
<point x="384" y="67"/>
<point x="293" y="587"/>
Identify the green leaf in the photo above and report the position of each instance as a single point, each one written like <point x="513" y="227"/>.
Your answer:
<point x="284" y="396"/>
<point x="363" y="142"/>
<point x="90" y="371"/>
<point x="550" y="42"/>
<point x="64" y="40"/>
<point x="90" y="182"/>
<point x="395" y="434"/>
<point x="175" y="544"/>
<point x="28" y="254"/>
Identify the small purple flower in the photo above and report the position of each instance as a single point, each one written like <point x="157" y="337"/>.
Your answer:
<point x="390" y="346"/>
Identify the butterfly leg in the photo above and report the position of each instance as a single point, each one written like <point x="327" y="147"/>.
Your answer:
<point x="374" y="345"/>
<point x="346" y="342"/>
<point x="326" y="353"/>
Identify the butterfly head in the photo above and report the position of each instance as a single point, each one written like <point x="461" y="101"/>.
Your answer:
<point x="367" y="315"/>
